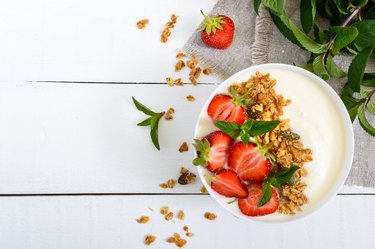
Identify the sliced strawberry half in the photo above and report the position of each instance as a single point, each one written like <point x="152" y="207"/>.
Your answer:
<point x="213" y="150"/>
<point x="227" y="183"/>
<point x="249" y="205"/>
<point x="222" y="108"/>
<point x="249" y="163"/>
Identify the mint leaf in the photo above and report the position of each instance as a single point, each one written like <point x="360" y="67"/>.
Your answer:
<point x="154" y="123"/>
<point x="233" y="129"/>
<point x="143" y="108"/>
<point x="352" y="104"/>
<point x="357" y="68"/>
<point x="245" y="137"/>
<point x="319" y="67"/>
<point x="364" y="122"/>
<point x="307" y="12"/>
<point x="285" y="175"/>
<point x="266" y="194"/>
<point x="145" y="122"/>
<point x="309" y="67"/>
<point x="257" y="5"/>
<point x="371" y="106"/>
<point x="344" y="36"/>
<point x="275" y="5"/>
<point x="366" y="34"/>
<point x="368" y="80"/>
<point x="333" y="69"/>
<point x="261" y="127"/>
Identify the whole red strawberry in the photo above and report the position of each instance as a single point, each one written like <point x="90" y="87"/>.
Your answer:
<point x="217" y="31"/>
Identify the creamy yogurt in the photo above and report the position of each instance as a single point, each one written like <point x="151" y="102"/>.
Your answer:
<point x="315" y="116"/>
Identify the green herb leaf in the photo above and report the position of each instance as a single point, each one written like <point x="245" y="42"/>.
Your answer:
<point x="261" y="127"/>
<point x="364" y="122"/>
<point x="366" y="34"/>
<point x="233" y="129"/>
<point x="154" y="122"/>
<point x="285" y="175"/>
<point x="333" y="69"/>
<point x="319" y="67"/>
<point x="371" y="106"/>
<point x="266" y="194"/>
<point x="352" y="104"/>
<point x="307" y="12"/>
<point x="309" y="67"/>
<point x="368" y="80"/>
<point x="357" y="68"/>
<point x="245" y="138"/>
<point x="344" y="36"/>
<point x="257" y="5"/>
<point x="145" y="122"/>
<point x="282" y="26"/>
<point x="202" y="148"/>
<point x="320" y="35"/>
<point x="275" y="5"/>
<point x="143" y="108"/>
<point x="370" y="15"/>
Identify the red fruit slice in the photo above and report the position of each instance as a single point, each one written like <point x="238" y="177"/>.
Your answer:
<point x="249" y="205"/>
<point x="222" y="108"/>
<point x="220" y="144"/>
<point x="227" y="183"/>
<point x="249" y="163"/>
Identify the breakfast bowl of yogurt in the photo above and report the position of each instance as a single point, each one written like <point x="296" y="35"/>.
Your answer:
<point x="273" y="143"/>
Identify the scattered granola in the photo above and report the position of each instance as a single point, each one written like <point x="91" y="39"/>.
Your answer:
<point x="180" y="55"/>
<point x="181" y="215"/>
<point x="193" y="80"/>
<point x="169" y="216"/>
<point x="164" y="210"/>
<point x="169" y="184"/>
<point x="143" y="219"/>
<point x="210" y="216"/>
<point x="203" y="189"/>
<point x="168" y="115"/>
<point x="189" y="234"/>
<point x="179" y="65"/>
<point x="169" y="25"/>
<point x="149" y="239"/>
<point x="178" y="82"/>
<point x="186" y="177"/>
<point x="184" y="147"/>
<point x="177" y="240"/>
<point x="190" y="98"/>
<point x="186" y="228"/>
<point x="142" y="23"/>
<point x="207" y="71"/>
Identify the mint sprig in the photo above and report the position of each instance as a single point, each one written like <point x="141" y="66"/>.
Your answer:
<point x="152" y="121"/>
<point x="248" y="130"/>
<point x="276" y="180"/>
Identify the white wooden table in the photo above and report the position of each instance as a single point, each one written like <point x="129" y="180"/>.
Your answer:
<point x="75" y="170"/>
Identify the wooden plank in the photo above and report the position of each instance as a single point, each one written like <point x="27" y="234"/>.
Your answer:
<point x="94" y="40"/>
<point x="109" y="222"/>
<point x="83" y="138"/>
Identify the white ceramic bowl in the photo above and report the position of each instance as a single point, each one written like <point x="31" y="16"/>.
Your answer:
<point x="314" y="103"/>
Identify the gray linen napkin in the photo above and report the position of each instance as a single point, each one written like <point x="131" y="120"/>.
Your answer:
<point x="258" y="41"/>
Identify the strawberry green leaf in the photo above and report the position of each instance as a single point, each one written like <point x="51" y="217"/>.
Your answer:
<point x="266" y="194"/>
<point x="357" y="68"/>
<point x="211" y="24"/>
<point x="145" y="122"/>
<point x="307" y="12"/>
<point x="202" y="148"/>
<point x="261" y="127"/>
<point x="364" y="122"/>
<point x="333" y="69"/>
<point x="233" y="129"/>
<point x="319" y="67"/>
<point x="143" y="108"/>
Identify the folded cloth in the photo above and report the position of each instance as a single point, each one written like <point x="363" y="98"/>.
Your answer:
<point x="258" y="41"/>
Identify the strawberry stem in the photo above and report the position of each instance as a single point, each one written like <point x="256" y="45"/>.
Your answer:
<point x="205" y="16"/>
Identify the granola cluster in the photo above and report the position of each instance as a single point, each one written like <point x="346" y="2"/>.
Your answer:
<point x="167" y="30"/>
<point x="287" y="148"/>
<point x="142" y="23"/>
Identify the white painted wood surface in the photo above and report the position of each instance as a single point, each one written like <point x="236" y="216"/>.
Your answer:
<point x="67" y="138"/>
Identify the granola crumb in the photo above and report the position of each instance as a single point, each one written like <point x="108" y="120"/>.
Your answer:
<point x="179" y="65"/>
<point x="143" y="219"/>
<point x="167" y="32"/>
<point x="210" y="216"/>
<point x="164" y="210"/>
<point x="190" y="98"/>
<point x="186" y="177"/>
<point x="171" y="240"/>
<point x="181" y="242"/>
<point x="203" y="189"/>
<point x="171" y="183"/>
<point x="149" y="239"/>
<point x="163" y="185"/>
<point x="169" y="216"/>
<point x="180" y="55"/>
<point x="193" y="80"/>
<point x="170" y="81"/>
<point x="178" y="82"/>
<point x="181" y="215"/>
<point x="184" y="147"/>
<point x="189" y="234"/>
<point x="190" y="64"/>
<point x="141" y="24"/>
<point x="183" y="170"/>
<point x="168" y="114"/>
<point x="207" y="71"/>
<point x="186" y="228"/>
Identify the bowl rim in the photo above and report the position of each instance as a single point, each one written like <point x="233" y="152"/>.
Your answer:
<point x="349" y="140"/>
